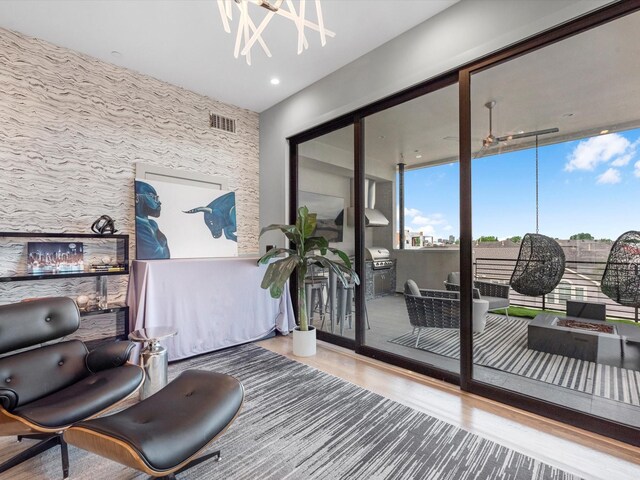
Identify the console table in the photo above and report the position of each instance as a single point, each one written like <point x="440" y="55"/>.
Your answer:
<point x="214" y="303"/>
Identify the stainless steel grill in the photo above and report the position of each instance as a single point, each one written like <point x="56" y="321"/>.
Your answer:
<point x="380" y="258"/>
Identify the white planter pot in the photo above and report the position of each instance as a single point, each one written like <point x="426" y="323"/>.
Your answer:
<point x="304" y="343"/>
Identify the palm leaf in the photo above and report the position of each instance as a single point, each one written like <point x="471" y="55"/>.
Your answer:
<point x="274" y="252"/>
<point x="290" y="231"/>
<point x="319" y="243"/>
<point x="306" y="222"/>
<point x="278" y="273"/>
<point x="343" y="256"/>
<point x="339" y="269"/>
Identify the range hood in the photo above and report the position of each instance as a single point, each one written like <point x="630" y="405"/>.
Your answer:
<point x="372" y="217"/>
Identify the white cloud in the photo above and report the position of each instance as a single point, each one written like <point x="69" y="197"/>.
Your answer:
<point x="611" y="176"/>
<point x="425" y="229"/>
<point x="417" y="221"/>
<point x="435" y="219"/>
<point x="622" y="160"/>
<point x="636" y="171"/>
<point x="411" y="212"/>
<point x="590" y="153"/>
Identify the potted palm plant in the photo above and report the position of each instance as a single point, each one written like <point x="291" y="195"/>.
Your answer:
<point x="306" y="250"/>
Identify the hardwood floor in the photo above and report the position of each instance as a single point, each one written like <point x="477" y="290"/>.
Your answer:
<point x="586" y="454"/>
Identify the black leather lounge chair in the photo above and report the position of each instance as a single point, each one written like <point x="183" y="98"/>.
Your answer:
<point x="44" y="389"/>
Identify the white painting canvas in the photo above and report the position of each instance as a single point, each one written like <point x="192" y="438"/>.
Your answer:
<point x="184" y="221"/>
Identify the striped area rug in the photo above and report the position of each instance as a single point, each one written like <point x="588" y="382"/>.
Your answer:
<point x="503" y="346"/>
<point x="299" y="423"/>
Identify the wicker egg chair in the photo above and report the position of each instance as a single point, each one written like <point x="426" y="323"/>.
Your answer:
<point x="621" y="278"/>
<point x="540" y="265"/>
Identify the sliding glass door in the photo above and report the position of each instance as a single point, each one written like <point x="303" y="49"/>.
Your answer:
<point x="326" y="187"/>
<point x="491" y="216"/>
<point x="411" y="234"/>
<point x="556" y="180"/>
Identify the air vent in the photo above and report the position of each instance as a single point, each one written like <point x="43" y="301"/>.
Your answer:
<point x="222" y="123"/>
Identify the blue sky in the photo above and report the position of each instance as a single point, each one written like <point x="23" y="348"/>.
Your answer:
<point x="590" y="185"/>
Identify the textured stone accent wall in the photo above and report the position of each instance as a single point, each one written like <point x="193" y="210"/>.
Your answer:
<point x="72" y="128"/>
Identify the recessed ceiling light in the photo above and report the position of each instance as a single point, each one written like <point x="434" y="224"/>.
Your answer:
<point x="604" y="132"/>
<point x="418" y="156"/>
<point x="275" y="81"/>
<point x="450" y="138"/>
<point x="567" y="114"/>
<point x="380" y="137"/>
<point x="116" y="54"/>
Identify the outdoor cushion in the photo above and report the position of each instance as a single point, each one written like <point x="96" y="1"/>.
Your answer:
<point x="411" y="288"/>
<point x="496" y="302"/>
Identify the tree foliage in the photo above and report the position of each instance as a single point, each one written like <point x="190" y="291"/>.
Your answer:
<point x="581" y="236"/>
<point x="487" y="238"/>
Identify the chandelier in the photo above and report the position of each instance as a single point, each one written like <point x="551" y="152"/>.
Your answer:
<point x="248" y="34"/>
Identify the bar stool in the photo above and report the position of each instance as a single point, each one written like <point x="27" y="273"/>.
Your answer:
<point x="340" y="303"/>
<point x="345" y="302"/>
<point x="314" y="291"/>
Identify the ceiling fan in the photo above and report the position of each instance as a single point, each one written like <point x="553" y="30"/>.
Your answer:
<point x="490" y="139"/>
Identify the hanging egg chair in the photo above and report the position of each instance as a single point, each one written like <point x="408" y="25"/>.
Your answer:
<point x="540" y="266"/>
<point x="621" y="278"/>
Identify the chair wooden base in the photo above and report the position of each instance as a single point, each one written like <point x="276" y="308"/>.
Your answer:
<point x="210" y="397"/>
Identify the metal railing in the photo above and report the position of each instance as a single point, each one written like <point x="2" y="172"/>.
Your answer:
<point x="581" y="281"/>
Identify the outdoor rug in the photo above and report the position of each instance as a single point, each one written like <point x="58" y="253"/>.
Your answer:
<point x="299" y="423"/>
<point x="503" y="346"/>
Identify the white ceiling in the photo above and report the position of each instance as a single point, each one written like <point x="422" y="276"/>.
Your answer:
<point x="583" y="85"/>
<point x="183" y="42"/>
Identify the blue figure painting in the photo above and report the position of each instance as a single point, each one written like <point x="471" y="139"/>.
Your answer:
<point x="151" y="243"/>
<point x="220" y="216"/>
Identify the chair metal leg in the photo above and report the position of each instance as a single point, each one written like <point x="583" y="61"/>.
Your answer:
<point x="64" y="453"/>
<point x="418" y="337"/>
<point x="506" y="312"/>
<point x="42" y="446"/>
<point x="193" y="463"/>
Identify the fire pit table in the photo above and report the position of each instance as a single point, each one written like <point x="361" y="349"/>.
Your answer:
<point x="580" y="338"/>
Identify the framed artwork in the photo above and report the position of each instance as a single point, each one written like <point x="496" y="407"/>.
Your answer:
<point x="55" y="257"/>
<point x="328" y="208"/>
<point x="184" y="220"/>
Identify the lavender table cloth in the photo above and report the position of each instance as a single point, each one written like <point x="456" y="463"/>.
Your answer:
<point x="213" y="303"/>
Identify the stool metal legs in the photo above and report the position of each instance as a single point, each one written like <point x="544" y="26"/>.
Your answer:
<point x="315" y="300"/>
<point x="345" y="299"/>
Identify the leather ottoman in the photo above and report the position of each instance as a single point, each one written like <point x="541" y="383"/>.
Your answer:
<point x="163" y="434"/>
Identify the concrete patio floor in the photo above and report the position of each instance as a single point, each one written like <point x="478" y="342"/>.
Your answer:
<point x="388" y="319"/>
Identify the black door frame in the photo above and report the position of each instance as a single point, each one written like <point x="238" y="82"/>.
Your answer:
<point x="357" y="118"/>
